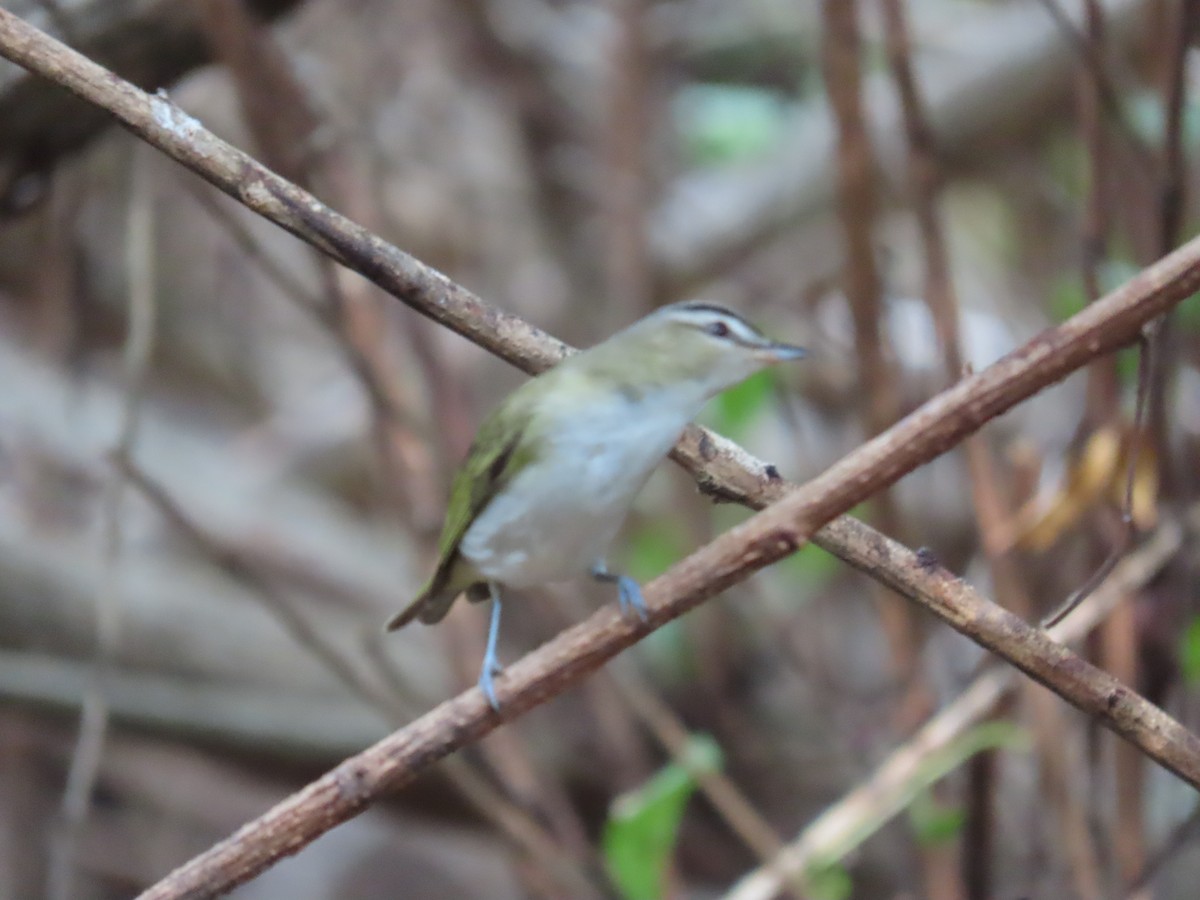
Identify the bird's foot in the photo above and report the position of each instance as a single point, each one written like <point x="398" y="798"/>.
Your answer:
<point x="628" y="592"/>
<point x="630" y="596"/>
<point x="491" y="668"/>
<point x="491" y="665"/>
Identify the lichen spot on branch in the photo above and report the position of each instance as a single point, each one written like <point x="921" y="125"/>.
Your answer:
<point x="170" y="117"/>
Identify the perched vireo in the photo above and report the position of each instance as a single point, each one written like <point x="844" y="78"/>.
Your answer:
<point x="554" y="470"/>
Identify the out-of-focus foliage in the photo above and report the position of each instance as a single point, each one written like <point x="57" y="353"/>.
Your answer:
<point x="722" y="123"/>
<point x="933" y="822"/>
<point x="653" y="548"/>
<point x="643" y="825"/>
<point x="1189" y="652"/>
<point x="734" y="411"/>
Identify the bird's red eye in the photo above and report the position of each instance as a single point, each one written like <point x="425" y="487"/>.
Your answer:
<point x="718" y="329"/>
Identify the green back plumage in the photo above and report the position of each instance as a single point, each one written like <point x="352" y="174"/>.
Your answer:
<point x="498" y="452"/>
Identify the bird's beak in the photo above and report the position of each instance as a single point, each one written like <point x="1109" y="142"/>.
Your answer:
<point x="783" y="352"/>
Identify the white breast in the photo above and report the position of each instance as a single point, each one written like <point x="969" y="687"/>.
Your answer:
<point x="559" y="517"/>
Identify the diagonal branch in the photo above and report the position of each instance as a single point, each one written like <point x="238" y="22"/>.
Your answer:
<point x="162" y="124"/>
<point x="885" y="793"/>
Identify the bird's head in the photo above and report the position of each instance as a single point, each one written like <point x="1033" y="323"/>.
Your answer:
<point x="701" y="344"/>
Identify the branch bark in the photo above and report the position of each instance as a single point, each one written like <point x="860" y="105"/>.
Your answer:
<point x="148" y="42"/>
<point x="876" y="800"/>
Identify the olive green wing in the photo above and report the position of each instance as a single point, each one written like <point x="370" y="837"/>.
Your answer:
<point x="499" y="451"/>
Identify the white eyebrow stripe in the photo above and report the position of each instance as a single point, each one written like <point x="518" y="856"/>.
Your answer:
<point x="706" y="312"/>
<point x="702" y="315"/>
<point x="745" y="332"/>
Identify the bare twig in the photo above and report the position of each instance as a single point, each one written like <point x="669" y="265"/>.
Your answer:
<point x="390" y="697"/>
<point x="162" y="124"/>
<point x="882" y="794"/>
<point x="94" y="715"/>
<point x="857" y="205"/>
<point x="1179" y="23"/>
<point x="1092" y="60"/>
<point x="1181" y="836"/>
<point x="924" y="177"/>
<point x="276" y="272"/>
<point x="625" y="199"/>
<point x="285" y="124"/>
<point x="877" y="385"/>
<point x="1010" y="65"/>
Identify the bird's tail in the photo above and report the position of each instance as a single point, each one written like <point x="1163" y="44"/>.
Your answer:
<point x="434" y="601"/>
<point x="429" y="607"/>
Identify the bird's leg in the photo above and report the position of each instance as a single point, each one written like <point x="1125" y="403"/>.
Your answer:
<point x="628" y="592"/>
<point x="491" y="665"/>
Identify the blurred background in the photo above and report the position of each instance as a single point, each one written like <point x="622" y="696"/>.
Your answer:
<point x="224" y="460"/>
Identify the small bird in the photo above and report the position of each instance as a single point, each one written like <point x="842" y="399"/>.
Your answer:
<point x="554" y="469"/>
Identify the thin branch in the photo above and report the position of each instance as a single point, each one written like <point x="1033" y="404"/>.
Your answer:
<point x="94" y="715"/>
<point x="879" y="797"/>
<point x="629" y="277"/>
<point x="1182" y="836"/>
<point x="1179" y="24"/>
<point x="284" y="121"/>
<point x="941" y="299"/>
<point x="157" y="120"/>
<point x="391" y="698"/>
<point x="1174" y="160"/>
<point x="279" y="274"/>
<point x="1103" y="382"/>
<point x="925" y="186"/>
<point x="878" y="393"/>
<point x="857" y="206"/>
<point x="1106" y="91"/>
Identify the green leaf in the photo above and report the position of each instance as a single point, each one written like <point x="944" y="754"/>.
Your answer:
<point x="734" y="410"/>
<point x="1066" y="298"/>
<point x="935" y="823"/>
<point x="1127" y="366"/>
<point x="721" y="123"/>
<point x="655" y="546"/>
<point x="1187" y="313"/>
<point x="811" y="567"/>
<point x="1189" y="652"/>
<point x="831" y="882"/>
<point x="643" y="825"/>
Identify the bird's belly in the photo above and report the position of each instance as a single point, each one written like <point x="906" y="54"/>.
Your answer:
<point x="556" y="522"/>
